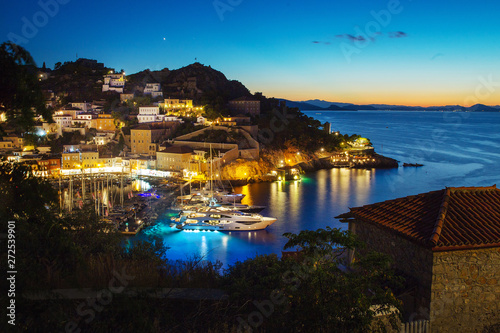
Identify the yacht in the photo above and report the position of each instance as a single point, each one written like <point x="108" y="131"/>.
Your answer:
<point x="221" y="196"/>
<point x="202" y="202"/>
<point x="221" y="219"/>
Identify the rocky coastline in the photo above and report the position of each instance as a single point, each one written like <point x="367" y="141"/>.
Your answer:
<point x="261" y="170"/>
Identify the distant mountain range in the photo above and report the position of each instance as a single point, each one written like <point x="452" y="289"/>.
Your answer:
<point x="320" y="105"/>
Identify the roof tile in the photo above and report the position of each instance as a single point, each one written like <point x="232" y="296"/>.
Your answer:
<point x="453" y="218"/>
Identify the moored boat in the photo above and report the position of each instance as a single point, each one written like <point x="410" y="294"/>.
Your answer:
<point x="221" y="219"/>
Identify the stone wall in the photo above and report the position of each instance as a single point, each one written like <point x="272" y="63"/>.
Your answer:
<point x="251" y="141"/>
<point x="250" y="154"/>
<point x="465" y="290"/>
<point x="231" y="154"/>
<point x="413" y="260"/>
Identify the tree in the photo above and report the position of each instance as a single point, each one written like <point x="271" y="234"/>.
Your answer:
<point x="321" y="242"/>
<point x="211" y="114"/>
<point x="311" y="293"/>
<point x="327" y="298"/>
<point x="22" y="194"/>
<point x="20" y="93"/>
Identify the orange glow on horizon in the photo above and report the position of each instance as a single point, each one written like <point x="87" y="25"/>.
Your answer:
<point x="417" y="98"/>
<point x="412" y="94"/>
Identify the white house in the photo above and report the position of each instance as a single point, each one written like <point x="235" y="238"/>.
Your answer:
<point x="84" y="118"/>
<point x="153" y="89"/>
<point x="172" y="118"/>
<point x="69" y="112"/>
<point x="201" y="120"/>
<point x="149" y="110"/>
<point x="102" y="138"/>
<point x="148" y="118"/>
<point x="114" y="82"/>
<point x="63" y="120"/>
<point x="149" y="114"/>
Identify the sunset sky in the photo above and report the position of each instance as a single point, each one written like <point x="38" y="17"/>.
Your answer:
<point x="359" y="51"/>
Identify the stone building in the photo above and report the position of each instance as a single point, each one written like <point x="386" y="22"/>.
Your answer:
<point x="174" y="158"/>
<point x="244" y="105"/>
<point x="104" y="122"/>
<point x="145" y="138"/>
<point x="447" y="244"/>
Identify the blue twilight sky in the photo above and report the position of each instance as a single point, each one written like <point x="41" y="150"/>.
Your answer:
<point x="414" y="52"/>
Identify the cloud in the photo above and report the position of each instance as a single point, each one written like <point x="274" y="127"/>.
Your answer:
<point x="352" y="38"/>
<point x="318" y="42"/>
<point x="364" y="38"/>
<point x="437" y="55"/>
<point x="397" y="34"/>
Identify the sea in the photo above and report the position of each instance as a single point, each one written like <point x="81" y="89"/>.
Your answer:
<point x="456" y="148"/>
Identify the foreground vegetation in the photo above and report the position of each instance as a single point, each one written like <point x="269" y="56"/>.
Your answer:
<point x="308" y="293"/>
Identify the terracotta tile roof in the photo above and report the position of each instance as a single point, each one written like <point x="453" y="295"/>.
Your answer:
<point x="449" y="219"/>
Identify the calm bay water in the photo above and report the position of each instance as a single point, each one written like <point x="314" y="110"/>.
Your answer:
<point x="457" y="149"/>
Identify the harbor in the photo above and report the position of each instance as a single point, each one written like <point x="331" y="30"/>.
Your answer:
<point x="126" y="203"/>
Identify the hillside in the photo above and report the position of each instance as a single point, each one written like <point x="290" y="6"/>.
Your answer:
<point x="195" y="81"/>
<point x="78" y="81"/>
<point x="81" y="80"/>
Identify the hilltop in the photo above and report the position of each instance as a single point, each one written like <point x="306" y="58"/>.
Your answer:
<point x="81" y="80"/>
<point x="194" y="81"/>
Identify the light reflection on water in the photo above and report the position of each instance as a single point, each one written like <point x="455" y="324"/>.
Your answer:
<point x="455" y="160"/>
<point x="308" y="204"/>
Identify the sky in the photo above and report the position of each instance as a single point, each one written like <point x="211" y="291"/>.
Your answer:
<point x="410" y="52"/>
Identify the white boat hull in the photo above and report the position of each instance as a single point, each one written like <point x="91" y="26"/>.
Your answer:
<point x="230" y="226"/>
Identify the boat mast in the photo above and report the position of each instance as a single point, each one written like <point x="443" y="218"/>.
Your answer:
<point x="71" y="193"/>
<point x="60" y="195"/>
<point x="121" y="187"/>
<point x="211" y="173"/>
<point x="83" y="186"/>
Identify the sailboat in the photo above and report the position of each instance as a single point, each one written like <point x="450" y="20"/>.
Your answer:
<point x="209" y="212"/>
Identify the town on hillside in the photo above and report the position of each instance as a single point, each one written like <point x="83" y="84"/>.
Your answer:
<point x="166" y="123"/>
